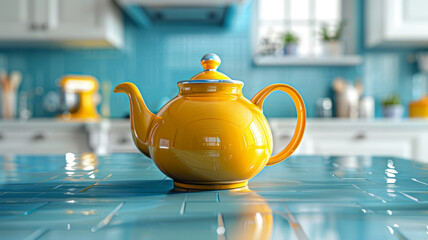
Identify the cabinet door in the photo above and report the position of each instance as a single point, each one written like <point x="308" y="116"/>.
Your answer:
<point x="90" y="23"/>
<point x="75" y="19"/>
<point x="34" y="140"/>
<point x="121" y="142"/>
<point x="281" y="138"/>
<point x="406" y="20"/>
<point x="14" y="18"/>
<point x="364" y="144"/>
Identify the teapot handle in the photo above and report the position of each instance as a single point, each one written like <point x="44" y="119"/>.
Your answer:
<point x="258" y="100"/>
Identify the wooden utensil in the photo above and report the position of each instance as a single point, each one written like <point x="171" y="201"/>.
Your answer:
<point x="6" y="95"/>
<point x="10" y="85"/>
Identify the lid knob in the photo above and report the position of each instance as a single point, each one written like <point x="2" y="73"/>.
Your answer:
<point x="210" y="62"/>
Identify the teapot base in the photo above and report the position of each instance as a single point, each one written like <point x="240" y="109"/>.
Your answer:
<point x="211" y="186"/>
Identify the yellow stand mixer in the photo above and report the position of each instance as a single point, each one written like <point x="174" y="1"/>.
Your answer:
<point x="85" y="87"/>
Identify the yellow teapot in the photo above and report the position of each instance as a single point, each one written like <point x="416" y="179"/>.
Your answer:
<point x="210" y="136"/>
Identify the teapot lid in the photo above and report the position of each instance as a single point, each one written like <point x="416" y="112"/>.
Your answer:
<point x="210" y="63"/>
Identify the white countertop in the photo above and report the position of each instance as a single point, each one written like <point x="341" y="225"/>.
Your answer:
<point x="346" y="122"/>
<point x="317" y="120"/>
<point x="407" y="138"/>
<point x="313" y="122"/>
<point x="53" y="122"/>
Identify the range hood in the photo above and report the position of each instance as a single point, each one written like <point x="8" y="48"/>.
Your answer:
<point x="214" y="12"/>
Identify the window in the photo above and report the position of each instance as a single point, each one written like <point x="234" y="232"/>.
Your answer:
<point x="303" y="18"/>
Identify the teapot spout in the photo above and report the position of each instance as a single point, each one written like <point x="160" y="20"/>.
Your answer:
<point x="141" y="117"/>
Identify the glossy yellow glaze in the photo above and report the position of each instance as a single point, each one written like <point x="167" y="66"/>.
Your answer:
<point x="419" y="109"/>
<point x="259" y="98"/>
<point x="210" y="186"/>
<point x="210" y="136"/>
<point x="85" y="86"/>
<point x="209" y="75"/>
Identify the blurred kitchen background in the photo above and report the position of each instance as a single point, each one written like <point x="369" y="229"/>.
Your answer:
<point x="359" y="65"/>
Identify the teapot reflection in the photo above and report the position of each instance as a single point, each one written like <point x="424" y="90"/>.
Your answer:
<point x="84" y="161"/>
<point x="345" y="165"/>
<point x="87" y="162"/>
<point x="239" y="214"/>
<point x="252" y="220"/>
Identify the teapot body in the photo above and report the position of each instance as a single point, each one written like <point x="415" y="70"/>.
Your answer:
<point x="210" y="137"/>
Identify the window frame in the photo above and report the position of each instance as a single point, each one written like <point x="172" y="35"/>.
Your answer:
<point x="349" y="40"/>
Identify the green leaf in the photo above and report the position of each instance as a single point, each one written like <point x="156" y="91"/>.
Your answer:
<point x="290" y="38"/>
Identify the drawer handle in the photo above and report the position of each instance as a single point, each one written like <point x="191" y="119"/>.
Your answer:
<point x="284" y="137"/>
<point x="33" y="26"/>
<point x="39" y="137"/>
<point x="41" y="27"/>
<point x="123" y="140"/>
<point x="360" y="136"/>
<point x="44" y="27"/>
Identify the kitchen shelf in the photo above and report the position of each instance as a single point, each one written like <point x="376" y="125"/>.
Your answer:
<point x="348" y="60"/>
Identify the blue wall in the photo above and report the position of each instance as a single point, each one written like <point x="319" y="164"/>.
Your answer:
<point x="155" y="59"/>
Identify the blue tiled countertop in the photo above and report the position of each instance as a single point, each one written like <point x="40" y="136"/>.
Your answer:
<point x="124" y="196"/>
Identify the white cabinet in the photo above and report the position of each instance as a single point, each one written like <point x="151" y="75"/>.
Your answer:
<point x="48" y="136"/>
<point x="14" y="17"/>
<point x="361" y="143"/>
<point x="338" y="137"/>
<point x="120" y="139"/>
<point x="111" y="136"/>
<point x="86" y="23"/>
<point x="343" y="137"/>
<point x="396" y="23"/>
<point x="42" y="137"/>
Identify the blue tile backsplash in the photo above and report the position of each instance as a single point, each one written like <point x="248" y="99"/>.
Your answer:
<point x="156" y="58"/>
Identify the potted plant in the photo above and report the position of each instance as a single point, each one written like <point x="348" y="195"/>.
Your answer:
<point x="392" y="107"/>
<point x="331" y="45"/>
<point x="290" y="43"/>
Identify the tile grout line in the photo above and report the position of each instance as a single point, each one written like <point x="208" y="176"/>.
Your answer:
<point x="183" y="206"/>
<point x="107" y="219"/>
<point x="163" y="180"/>
<point x="48" y="179"/>
<point x="40" y="194"/>
<point x="396" y="232"/>
<point x="221" y="228"/>
<point x="51" y="189"/>
<point x="369" y="193"/>
<point x="370" y="181"/>
<point x="35" y="209"/>
<point x="295" y="225"/>
<point x="410" y="197"/>
<point x="37" y="234"/>
<point x="416" y="180"/>
<point x="96" y="183"/>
